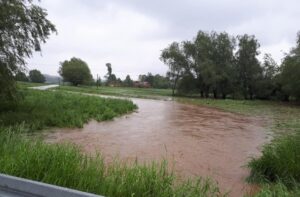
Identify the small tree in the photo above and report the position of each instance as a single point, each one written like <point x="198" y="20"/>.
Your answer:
<point x="128" y="82"/>
<point x="36" y="76"/>
<point x="75" y="71"/>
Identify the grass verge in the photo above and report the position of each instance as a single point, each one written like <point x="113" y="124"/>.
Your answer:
<point x="64" y="165"/>
<point x="42" y="109"/>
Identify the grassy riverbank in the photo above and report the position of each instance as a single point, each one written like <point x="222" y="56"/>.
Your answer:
<point x="65" y="165"/>
<point x="42" y="109"/>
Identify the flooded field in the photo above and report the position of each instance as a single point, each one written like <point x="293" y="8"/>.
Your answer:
<point x="197" y="141"/>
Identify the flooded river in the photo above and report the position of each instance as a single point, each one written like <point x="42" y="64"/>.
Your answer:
<point x="199" y="141"/>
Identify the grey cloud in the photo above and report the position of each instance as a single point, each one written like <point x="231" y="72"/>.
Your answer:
<point x="131" y="33"/>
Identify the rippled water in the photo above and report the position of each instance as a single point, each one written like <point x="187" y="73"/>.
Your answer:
<point x="198" y="141"/>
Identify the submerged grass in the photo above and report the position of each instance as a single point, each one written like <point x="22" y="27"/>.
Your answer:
<point x="42" y="109"/>
<point x="64" y="165"/>
<point x="284" y="117"/>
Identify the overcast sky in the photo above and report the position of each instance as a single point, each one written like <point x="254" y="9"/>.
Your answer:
<point x="130" y="34"/>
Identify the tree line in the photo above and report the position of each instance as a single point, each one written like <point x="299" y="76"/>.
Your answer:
<point x="220" y="65"/>
<point x="77" y="72"/>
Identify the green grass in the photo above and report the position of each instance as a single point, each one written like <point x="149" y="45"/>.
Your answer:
<point x="64" y="165"/>
<point x="21" y="84"/>
<point x="42" y="109"/>
<point x="280" y="162"/>
<point x="277" y="190"/>
<point x="120" y="91"/>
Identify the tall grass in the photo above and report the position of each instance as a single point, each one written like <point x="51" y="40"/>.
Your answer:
<point x="280" y="161"/>
<point x="64" y="165"/>
<point x="277" y="190"/>
<point x="41" y="109"/>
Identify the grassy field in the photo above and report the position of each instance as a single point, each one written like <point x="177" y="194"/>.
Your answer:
<point x="21" y="84"/>
<point x="120" y="91"/>
<point x="42" y="109"/>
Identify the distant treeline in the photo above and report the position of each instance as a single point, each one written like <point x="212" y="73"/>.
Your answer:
<point x="220" y="65"/>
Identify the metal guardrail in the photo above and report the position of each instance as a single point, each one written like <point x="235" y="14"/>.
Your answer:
<point x="11" y="186"/>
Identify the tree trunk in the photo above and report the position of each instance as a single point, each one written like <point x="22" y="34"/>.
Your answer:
<point x="202" y="94"/>
<point x="223" y="96"/>
<point x="215" y="94"/>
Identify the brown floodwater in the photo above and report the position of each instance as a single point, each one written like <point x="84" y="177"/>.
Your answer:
<point x="196" y="140"/>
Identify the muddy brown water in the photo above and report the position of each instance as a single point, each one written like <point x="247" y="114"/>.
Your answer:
<point x="197" y="141"/>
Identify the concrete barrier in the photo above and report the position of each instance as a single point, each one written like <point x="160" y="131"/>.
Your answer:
<point x="11" y="186"/>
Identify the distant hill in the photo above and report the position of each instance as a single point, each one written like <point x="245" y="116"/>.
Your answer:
<point x="52" y="79"/>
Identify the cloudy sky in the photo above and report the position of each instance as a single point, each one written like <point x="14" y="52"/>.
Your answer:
<point x="130" y="34"/>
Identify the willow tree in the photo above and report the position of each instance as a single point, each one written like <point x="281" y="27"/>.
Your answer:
<point x="175" y="58"/>
<point x="23" y="28"/>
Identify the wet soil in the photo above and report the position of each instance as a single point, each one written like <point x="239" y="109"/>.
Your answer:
<point x="197" y="141"/>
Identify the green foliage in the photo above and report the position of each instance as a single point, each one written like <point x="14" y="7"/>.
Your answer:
<point x="280" y="161"/>
<point x="175" y="58"/>
<point x="75" y="71"/>
<point x="36" y="76"/>
<point x="155" y="81"/>
<point x="290" y="72"/>
<point x="248" y="66"/>
<point x="277" y="190"/>
<point x="66" y="166"/>
<point x="23" y="27"/>
<point x="210" y="59"/>
<point x="128" y="82"/>
<point x="111" y="78"/>
<point x="45" y="109"/>
<point x="121" y="91"/>
<point x="21" y="76"/>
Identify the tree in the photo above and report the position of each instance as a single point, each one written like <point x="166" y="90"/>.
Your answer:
<point x="223" y="58"/>
<point x="267" y="83"/>
<point x="128" y="82"/>
<point x="36" y="76"/>
<point x="290" y="72"/>
<point x="199" y="55"/>
<point x="21" y="76"/>
<point x="75" y="71"/>
<point x="111" y="78"/>
<point x="23" y="27"/>
<point x="248" y="66"/>
<point x="176" y="60"/>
